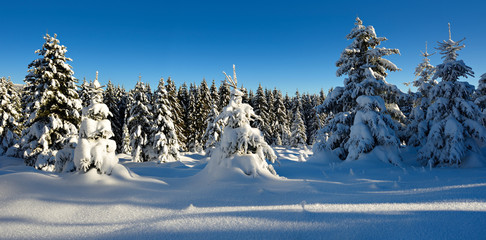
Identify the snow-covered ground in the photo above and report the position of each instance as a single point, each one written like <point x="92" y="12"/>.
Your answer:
<point x="359" y="200"/>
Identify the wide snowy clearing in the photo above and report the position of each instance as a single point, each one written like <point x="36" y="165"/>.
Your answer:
<point x="365" y="199"/>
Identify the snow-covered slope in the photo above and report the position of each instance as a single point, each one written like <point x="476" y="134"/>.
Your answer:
<point x="357" y="200"/>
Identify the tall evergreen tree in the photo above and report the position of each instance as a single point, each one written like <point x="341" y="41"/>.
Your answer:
<point x="261" y="109"/>
<point x="83" y="92"/>
<point x="164" y="140"/>
<point x="177" y="112"/>
<point x="362" y="61"/>
<point x="480" y="94"/>
<point x="52" y="105"/>
<point x="213" y="91"/>
<point x="224" y="95"/>
<point x="203" y="106"/>
<point x="281" y="127"/>
<point x="139" y="122"/>
<point x="310" y="117"/>
<point x="213" y="131"/>
<point x="245" y="98"/>
<point x="112" y="98"/>
<point x="183" y="95"/>
<point x="452" y="116"/>
<point x="271" y="117"/>
<point x="9" y="118"/>
<point x="298" y="132"/>
<point x="193" y="142"/>
<point x="417" y="128"/>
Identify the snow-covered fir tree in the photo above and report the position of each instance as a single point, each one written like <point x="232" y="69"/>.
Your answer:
<point x="213" y="131"/>
<point x="366" y="69"/>
<point x="271" y="117"/>
<point x="480" y="94"/>
<point x="417" y="128"/>
<point x="224" y="95"/>
<point x="241" y="148"/>
<point x="281" y="128"/>
<point x="213" y="91"/>
<point x="193" y="140"/>
<point x="52" y="104"/>
<point x="164" y="140"/>
<point x="245" y="98"/>
<point x="260" y="106"/>
<point x="251" y="96"/>
<point x="139" y="122"/>
<point x="83" y="93"/>
<point x="298" y="137"/>
<point x="310" y="117"/>
<point x="126" y="148"/>
<point x="112" y="97"/>
<point x="322" y="96"/>
<point x="183" y="96"/>
<point x="214" y="128"/>
<point x="373" y="128"/>
<point x="94" y="149"/>
<point x="177" y="111"/>
<point x="203" y="106"/>
<point x="10" y="114"/>
<point x="455" y="130"/>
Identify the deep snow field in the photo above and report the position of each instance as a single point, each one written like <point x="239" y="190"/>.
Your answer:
<point x="365" y="199"/>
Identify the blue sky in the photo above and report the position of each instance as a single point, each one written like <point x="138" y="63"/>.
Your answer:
<point x="285" y="44"/>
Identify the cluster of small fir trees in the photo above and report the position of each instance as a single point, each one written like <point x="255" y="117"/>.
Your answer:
<point x="444" y="122"/>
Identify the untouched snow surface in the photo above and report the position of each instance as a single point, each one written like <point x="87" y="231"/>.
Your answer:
<point x="314" y="200"/>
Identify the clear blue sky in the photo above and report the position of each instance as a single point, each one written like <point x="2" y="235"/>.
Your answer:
<point x="283" y="44"/>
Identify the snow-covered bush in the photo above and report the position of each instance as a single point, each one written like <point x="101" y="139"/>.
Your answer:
<point x="453" y="118"/>
<point x="241" y="146"/>
<point x="94" y="148"/>
<point x="51" y="105"/>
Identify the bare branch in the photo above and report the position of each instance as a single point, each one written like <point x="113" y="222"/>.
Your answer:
<point x="232" y="81"/>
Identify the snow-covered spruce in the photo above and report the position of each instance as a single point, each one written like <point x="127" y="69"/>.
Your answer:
<point x="9" y="118"/>
<point x="241" y="148"/>
<point x="165" y="145"/>
<point x="298" y="135"/>
<point x="51" y="104"/>
<point x="455" y="130"/>
<point x="310" y="117"/>
<point x="260" y="106"/>
<point x="177" y="112"/>
<point x="480" y="94"/>
<point x="139" y="122"/>
<point x="281" y="129"/>
<point x="366" y="68"/>
<point x="417" y="128"/>
<point x="192" y="125"/>
<point x="94" y="148"/>
<point x="84" y="93"/>
<point x="371" y="128"/>
<point x="183" y="96"/>
<point x="213" y="131"/>
<point x="203" y="106"/>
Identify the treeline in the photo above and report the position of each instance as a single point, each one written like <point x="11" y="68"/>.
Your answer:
<point x="43" y="118"/>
